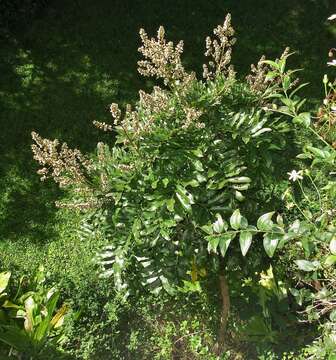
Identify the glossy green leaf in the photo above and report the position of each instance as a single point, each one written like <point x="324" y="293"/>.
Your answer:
<point x="245" y="240"/>
<point x="235" y="219"/>
<point x="44" y="327"/>
<point x="219" y="225"/>
<point x="265" y="223"/>
<point x="213" y="242"/>
<point x="270" y="243"/>
<point x="224" y="243"/>
<point x="240" y="180"/>
<point x="185" y="200"/>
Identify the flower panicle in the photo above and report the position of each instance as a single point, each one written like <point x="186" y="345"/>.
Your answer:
<point x="66" y="166"/>
<point x="220" y="50"/>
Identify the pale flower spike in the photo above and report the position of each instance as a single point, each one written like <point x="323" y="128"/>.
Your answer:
<point x="332" y="17"/>
<point x="295" y="175"/>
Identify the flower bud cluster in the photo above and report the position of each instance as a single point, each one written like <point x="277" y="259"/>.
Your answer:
<point x="220" y="50"/>
<point x="66" y="166"/>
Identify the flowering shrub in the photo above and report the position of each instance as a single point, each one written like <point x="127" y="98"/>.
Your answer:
<point x="196" y="171"/>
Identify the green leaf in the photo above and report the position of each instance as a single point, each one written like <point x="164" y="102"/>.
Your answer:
<point x="10" y="305"/>
<point x="15" y="337"/>
<point x="318" y="152"/>
<point x="240" y="180"/>
<point x="330" y="260"/>
<point x="286" y="82"/>
<point x="261" y="131"/>
<point x="306" y="265"/>
<point x="213" y="242"/>
<point x="270" y="243"/>
<point x="332" y="246"/>
<point x="273" y="64"/>
<point x="239" y="196"/>
<point x="170" y="204"/>
<point x="185" y="200"/>
<point x="4" y="279"/>
<point x="224" y="243"/>
<point x="44" y="327"/>
<point x="303" y="118"/>
<point x="235" y="220"/>
<point x="219" y="225"/>
<point x="165" y="182"/>
<point x="208" y="229"/>
<point x="297" y="89"/>
<point x="332" y="317"/>
<point x="271" y="75"/>
<point x="265" y="223"/>
<point x="245" y="240"/>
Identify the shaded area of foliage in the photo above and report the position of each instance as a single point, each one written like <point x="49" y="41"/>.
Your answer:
<point x="61" y="73"/>
<point x="19" y="14"/>
<point x="69" y="64"/>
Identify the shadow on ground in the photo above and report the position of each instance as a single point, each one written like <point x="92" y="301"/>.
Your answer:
<point x="62" y="72"/>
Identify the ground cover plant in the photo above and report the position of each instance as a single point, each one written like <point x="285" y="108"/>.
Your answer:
<point x="188" y="205"/>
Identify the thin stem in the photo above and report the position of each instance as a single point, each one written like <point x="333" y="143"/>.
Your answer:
<point x="320" y="137"/>
<point x="317" y="190"/>
<point x="301" y="211"/>
<point x="303" y="192"/>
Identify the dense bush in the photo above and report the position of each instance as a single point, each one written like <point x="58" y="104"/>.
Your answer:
<point x="185" y="195"/>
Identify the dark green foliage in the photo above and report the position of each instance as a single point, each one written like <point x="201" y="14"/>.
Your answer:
<point x="59" y="73"/>
<point x="19" y="13"/>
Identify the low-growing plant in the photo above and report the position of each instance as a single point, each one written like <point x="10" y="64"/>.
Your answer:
<point x="29" y="320"/>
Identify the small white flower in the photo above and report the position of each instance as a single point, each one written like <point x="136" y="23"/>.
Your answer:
<point x="332" y="63"/>
<point x="332" y="17"/>
<point x="295" y="175"/>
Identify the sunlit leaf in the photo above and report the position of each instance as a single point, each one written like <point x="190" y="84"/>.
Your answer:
<point x="4" y="279"/>
<point x="308" y="266"/>
<point x="235" y="219"/>
<point x="245" y="240"/>
<point x="224" y="243"/>
<point x="265" y="223"/>
<point x="270" y="243"/>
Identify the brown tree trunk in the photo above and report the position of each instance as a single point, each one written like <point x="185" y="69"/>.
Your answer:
<point x="224" y="291"/>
